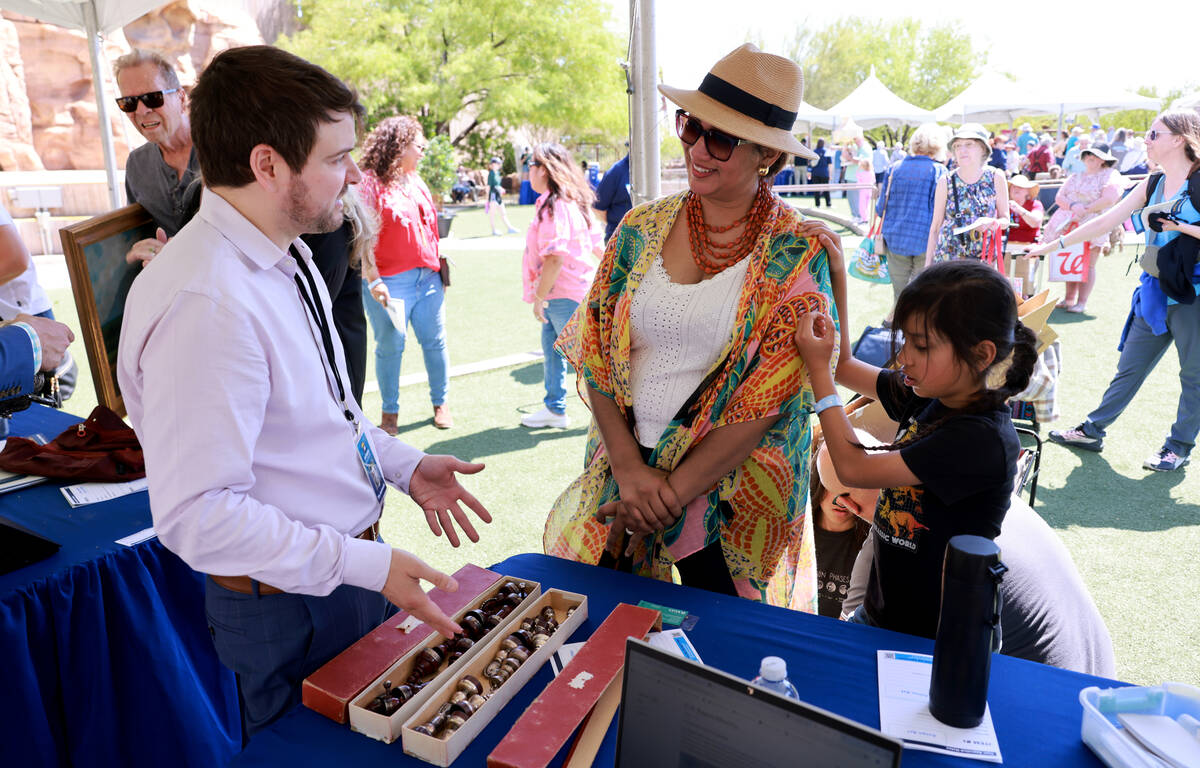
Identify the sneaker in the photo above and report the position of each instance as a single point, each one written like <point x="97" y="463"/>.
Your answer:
<point x="513" y="231"/>
<point x="1077" y="438"/>
<point x="545" y="418"/>
<point x="1165" y="461"/>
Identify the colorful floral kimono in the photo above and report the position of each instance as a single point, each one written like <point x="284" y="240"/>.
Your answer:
<point x="757" y="511"/>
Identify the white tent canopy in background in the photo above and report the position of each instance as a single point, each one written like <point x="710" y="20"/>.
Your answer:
<point x="1187" y="101"/>
<point x="994" y="98"/>
<point x="809" y="116"/>
<point x="94" y="17"/>
<point x="871" y="105"/>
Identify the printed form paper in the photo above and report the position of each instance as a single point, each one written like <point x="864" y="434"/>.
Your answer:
<point x="904" y="711"/>
<point x="92" y="493"/>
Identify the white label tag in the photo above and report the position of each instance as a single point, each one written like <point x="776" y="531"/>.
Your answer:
<point x="370" y="465"/>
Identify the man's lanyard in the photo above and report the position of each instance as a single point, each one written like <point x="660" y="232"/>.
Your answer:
<point x="312" y="302"/>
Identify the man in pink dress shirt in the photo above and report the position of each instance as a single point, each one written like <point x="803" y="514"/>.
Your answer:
<point x="263" y="472"/>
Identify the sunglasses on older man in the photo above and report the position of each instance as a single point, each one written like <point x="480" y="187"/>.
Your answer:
<point x="718" y="143"/>
<point x="152" y="100"/>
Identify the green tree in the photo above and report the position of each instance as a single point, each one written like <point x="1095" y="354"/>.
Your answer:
<point x="438" y="168"/>
<point x="924" y="65"/>
<point x="462" y="65"/>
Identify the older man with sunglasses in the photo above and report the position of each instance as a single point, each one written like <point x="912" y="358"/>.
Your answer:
<point x="158" y="173"/>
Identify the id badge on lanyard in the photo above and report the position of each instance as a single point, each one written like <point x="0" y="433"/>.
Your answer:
<point x="364" y="449"/>
<point x="369" y="461"/>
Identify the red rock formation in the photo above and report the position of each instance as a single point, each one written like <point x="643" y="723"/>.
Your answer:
<point x="48" y="114"/>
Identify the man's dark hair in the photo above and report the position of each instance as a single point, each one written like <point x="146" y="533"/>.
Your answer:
<point x="260" y="94"/>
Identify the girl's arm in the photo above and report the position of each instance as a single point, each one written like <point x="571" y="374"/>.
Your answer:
<point x="1101" y="224"/>
<point x="935" y="226"/>
<point x="854" y="466"/>
<point x="851" y="372"/>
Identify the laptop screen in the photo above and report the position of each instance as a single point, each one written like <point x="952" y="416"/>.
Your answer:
<point x="677" y="712"/>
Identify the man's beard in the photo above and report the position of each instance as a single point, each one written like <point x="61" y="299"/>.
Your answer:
<point x="310" y="221"/>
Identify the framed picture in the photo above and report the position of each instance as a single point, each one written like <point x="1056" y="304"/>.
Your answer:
<point x="100" y="278"/>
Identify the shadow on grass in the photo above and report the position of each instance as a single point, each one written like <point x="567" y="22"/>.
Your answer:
<point x="1063" y="317"/>
<point x="1095" y="496"/>
<point x="492" y="442"/>
<point x="528" y="374"/>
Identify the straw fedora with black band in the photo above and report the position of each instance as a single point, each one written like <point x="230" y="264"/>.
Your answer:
<point x="751" y="95"/>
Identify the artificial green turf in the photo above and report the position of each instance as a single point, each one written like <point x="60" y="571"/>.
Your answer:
<point x="1133" y="533"/>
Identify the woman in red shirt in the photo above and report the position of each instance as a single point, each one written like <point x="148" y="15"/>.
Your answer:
<point x="406" y="285"/>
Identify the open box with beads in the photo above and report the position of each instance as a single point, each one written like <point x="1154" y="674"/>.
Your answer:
<point x="386" y="728"/>
<point x="443" y="751"/>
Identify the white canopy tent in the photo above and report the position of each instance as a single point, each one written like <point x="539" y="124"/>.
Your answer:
<point x="94" y="17"/>
<point x="1187" y="101"/>
<point x="808" y="116"/>
<point x="994" y="98"/>
<point x="871" y="105"/>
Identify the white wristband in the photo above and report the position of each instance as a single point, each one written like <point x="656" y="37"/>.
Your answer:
<point x="377" y="281"/>
<point x="825" y="403"/>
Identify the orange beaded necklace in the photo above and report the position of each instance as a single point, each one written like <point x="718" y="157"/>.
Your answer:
<point x="713" y="257"/>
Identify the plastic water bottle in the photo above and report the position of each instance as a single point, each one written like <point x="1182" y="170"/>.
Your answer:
<point x="772" y="675"/>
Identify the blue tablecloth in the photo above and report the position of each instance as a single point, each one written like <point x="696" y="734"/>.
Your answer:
<point x="105" y="648"/>
<point x="1035" y="708"/>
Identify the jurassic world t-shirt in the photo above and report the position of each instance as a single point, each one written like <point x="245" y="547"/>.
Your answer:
<point x="836" y="551"/>
<point x="966" y="467"/>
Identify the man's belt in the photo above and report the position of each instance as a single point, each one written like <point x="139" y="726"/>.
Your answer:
<point x="245" y="584"/>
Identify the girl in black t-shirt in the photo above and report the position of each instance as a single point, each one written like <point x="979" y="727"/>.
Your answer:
<point x="951" y="468"/>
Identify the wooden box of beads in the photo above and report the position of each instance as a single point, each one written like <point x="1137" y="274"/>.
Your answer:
<point x="454" y="715"/>
<point x="383" y="705"/>
<point x="331" y="688"/>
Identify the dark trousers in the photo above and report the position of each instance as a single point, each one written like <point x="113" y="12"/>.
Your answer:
<point x="815" y="179"/>
<point x="273" y="642"/>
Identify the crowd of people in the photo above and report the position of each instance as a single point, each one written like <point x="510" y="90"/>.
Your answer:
<point x="708" y="328"/>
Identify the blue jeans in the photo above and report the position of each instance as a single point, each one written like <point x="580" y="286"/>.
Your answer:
<point x="852" y="199"/>
<point x="554" y="367"/>
<point x="425" y="309"/>
<point x="273" y="642"/>
<point x="1141" y="353"/>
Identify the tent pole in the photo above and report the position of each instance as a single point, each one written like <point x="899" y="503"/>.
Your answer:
<point x="92" y="29"/>
<point x="645" y="143"/>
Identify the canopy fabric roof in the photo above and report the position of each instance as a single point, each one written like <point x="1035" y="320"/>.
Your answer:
<point x="110" y="14"/>
<point x="994" y="98"/>
<point x="94" y="17"/>
<point x="1187" y="101"/>
<point x="808" y="115"/>
<point x="871" y="105"/>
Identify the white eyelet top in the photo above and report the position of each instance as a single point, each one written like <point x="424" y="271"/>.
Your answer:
<point x="677" y="333"/>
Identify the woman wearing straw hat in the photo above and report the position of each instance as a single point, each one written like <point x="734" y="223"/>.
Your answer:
<point x="697" y="454"/>
<point x="1084" y="197"/>
<point x="972" y="193"/>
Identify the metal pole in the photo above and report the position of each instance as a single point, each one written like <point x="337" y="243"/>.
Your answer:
<point x="644" y="157"/>
<point x="92" y="29"/>
<point x="649" y="100"/>
<point x="636" y="150"/>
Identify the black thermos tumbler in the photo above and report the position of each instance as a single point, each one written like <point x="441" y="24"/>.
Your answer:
<point x="967" y="628"/>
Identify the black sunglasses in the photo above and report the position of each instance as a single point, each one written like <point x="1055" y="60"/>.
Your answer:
<point x="718" y="143"/>
<point x="152" y="100"/>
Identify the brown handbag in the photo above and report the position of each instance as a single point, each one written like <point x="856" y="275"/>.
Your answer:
<point x="102" y="448"/>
